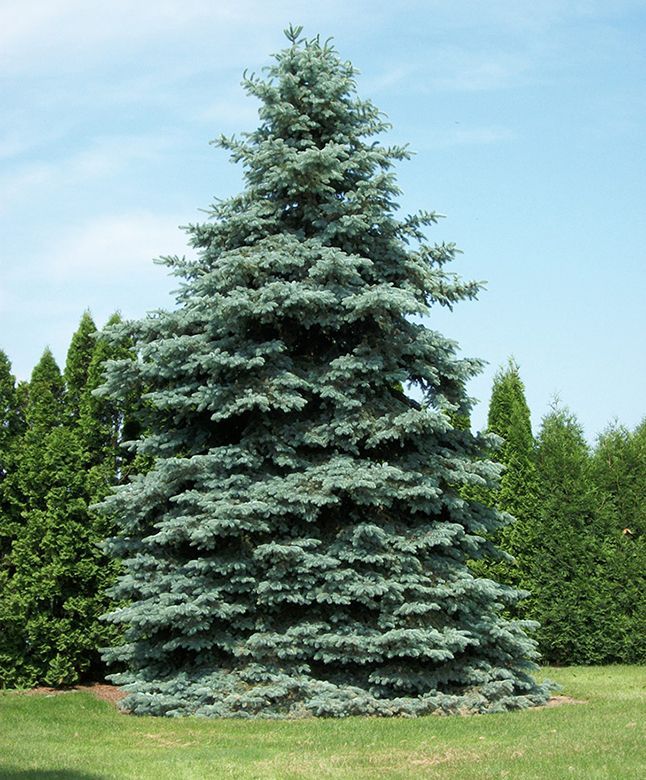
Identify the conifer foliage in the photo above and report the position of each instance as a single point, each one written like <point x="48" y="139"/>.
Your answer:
<point x="563" y="570"/>
<point x="300" y="544"/>
<point x="619" y="480"/>
<point x="11" y="424"/>
<point x="103" y="424"/>
<point x="517" y="492"/>
<point x="77" y="365"/>
<point x="46" y="473"/>
<point x="54" y="576"/>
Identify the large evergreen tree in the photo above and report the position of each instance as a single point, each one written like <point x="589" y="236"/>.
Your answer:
<point x="300" y="544"/>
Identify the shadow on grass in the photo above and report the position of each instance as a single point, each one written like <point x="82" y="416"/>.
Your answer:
<point x="46" y="774"/>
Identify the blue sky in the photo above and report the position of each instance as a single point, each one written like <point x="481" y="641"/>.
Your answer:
<point x="527" y="120"/>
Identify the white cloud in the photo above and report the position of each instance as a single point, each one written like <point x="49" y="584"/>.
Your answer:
<point x="111" y="245"/>
<point x="85" y="30"/>
<point x="103" y="157"/>
<point x="16" y="185"/>
<point x="11" y="145"/>
<point x="111" y="153"/>
<point x="50" y="26"/>
<point x="33" y="32"/>
<point x="454" y="68"/>
<point x="392" y="77"/>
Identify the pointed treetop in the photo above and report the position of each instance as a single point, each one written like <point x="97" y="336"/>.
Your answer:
<point x="7" y="399"/>
<point x="103" y="350"/>
<point x="99" y="417"/>
<point x="292" y="33"/>
<point x="562" y="444"/>
<point x="314" y="172"/>
<point x="509" y="414"/>
<point x="7" y="379"/>
<point x="78" y="359"/>
<point x="46" y="370"/>
<point x="45" y="402"/>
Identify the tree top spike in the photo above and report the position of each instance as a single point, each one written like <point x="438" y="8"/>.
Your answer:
<point x="292" y="32"/>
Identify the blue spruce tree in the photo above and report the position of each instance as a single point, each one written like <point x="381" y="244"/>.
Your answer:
<point x="299" y="545"/>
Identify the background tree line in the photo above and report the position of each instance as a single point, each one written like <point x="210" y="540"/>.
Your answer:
<point x="577" y="545"/>
<point x="60" y="452"/>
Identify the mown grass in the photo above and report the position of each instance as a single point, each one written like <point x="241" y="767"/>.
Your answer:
<point x="76" y="737"/>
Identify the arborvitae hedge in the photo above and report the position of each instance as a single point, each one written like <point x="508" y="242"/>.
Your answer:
<point x="79" y="355"/>
<point x="619" y="480"/>
<point x="564" y="571"/>
<point x="26" y="595"/>
<point x="10" y="431"/>
<point x="54" y="575"/>
<point x="577" y="539"/>
<point x="516" y="493"/>
<point x="104" y="424"/>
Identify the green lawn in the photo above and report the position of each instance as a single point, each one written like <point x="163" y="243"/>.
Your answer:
<point x="74" y="735"/>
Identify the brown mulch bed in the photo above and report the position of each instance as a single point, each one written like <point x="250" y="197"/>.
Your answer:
<point x="109" y="693"/>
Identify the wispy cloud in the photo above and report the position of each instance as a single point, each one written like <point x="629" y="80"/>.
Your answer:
<point x="470" y="46"/>
<point x="82" y="26"/>
<point x="12" y="145"/>
<point x="71" y="29"/>
<point x="102" y="157"/>
<point x="464" y="71"/>
<point x="457" y="68"/>
<point x="110" y="245"/>
<point x="389" y="78"/>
